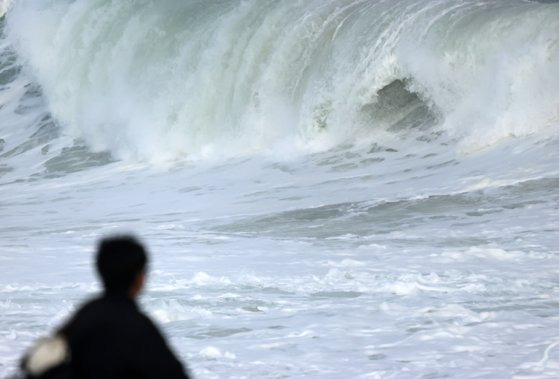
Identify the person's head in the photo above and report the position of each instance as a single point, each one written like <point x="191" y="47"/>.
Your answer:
<point x="121" y="263"/>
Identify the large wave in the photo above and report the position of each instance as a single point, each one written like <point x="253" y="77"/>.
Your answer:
<point x="158" y="80"/>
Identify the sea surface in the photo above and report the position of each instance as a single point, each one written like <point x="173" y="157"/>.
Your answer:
<point x="328" y="188"/>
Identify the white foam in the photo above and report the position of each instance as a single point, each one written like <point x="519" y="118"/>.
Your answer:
<point x="4" y="5"/>
<point x="284" y="85"/>
<point x="171" y="310"/>
<point x="214" y="353"/>
<point x="484" y="253"/>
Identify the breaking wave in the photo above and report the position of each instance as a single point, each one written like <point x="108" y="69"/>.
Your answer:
<point x="155" y="80"/>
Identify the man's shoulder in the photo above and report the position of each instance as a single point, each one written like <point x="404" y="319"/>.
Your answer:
<point x="103" y="304"/>
<point x="108" y="312"/>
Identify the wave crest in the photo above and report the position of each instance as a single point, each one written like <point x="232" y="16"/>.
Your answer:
<point x="159" y="81"/>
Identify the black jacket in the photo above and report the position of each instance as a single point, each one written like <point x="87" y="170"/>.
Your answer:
<point x="110" y="338"/>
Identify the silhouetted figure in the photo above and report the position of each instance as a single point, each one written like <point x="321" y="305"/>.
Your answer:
<point x="109" y="337"/>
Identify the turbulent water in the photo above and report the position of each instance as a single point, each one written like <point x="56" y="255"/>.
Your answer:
<point x="350" y="188"/>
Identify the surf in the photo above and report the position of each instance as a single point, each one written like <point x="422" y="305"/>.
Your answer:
<point x="195" y="80"/>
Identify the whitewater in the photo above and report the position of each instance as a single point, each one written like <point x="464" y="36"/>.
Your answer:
<point x="333" y="189"/>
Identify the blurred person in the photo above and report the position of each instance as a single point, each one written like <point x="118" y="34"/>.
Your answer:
<point x="109" y="337"/>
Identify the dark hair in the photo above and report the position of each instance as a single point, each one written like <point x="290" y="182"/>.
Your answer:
<point x="119" y="260"/>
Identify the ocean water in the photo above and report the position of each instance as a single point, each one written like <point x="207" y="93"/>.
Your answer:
<point x="333" y="189"/>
